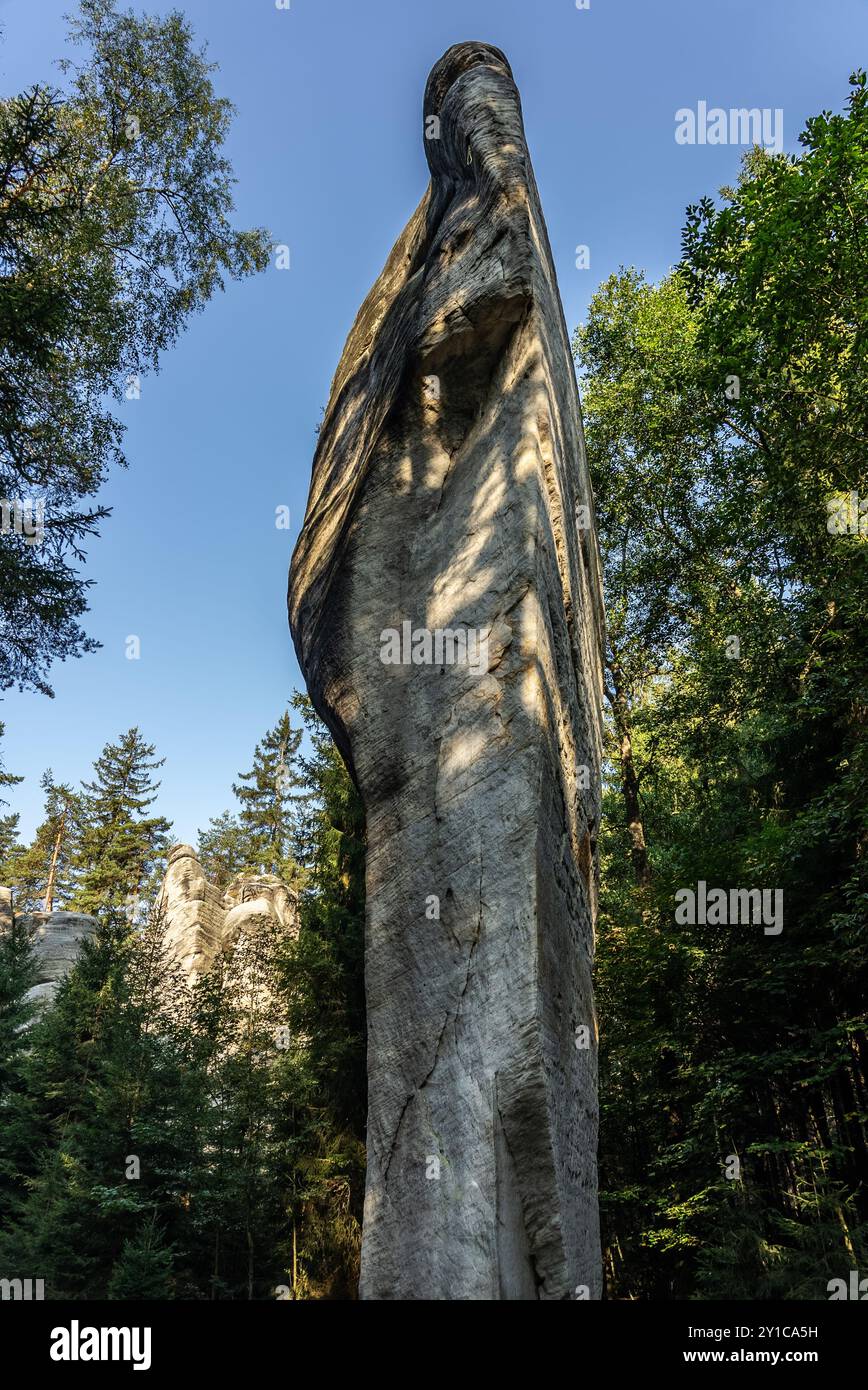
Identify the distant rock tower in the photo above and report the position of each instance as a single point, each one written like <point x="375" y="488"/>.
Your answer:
<point x="57" y="939"/>
<point x="201" y="920"/>
<point x="445" y="603"/>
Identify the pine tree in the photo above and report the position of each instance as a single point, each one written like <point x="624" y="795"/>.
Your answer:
<point x="113" y="1121"/>
<point x="144" y="1269"/>
<point x="42" y="874"/>
<point x="121" y="849"/>
<point x="240" y="1198"/>
<point x="226" y="848"/>
<point x="17" y="976"/>
<point x="324" y="988"/>
<point x="55" y="1230"/>
<point x="239" y="1105"/>
<point x="8" y="846"/>
<point x="331" y="942"/>
<point x="271" y="796"/>
<point x="8" y="824"/>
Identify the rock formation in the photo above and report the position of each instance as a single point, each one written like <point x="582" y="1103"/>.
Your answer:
<point x="202" y="920"/>
<point x="57" y="939"/>
<point x="445" y="605"/>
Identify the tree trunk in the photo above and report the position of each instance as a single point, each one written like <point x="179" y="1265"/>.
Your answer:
<point x="52" y="872"/>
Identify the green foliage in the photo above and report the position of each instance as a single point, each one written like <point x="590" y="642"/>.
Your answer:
<point x="267" y="834"/>
<point x="8" y="824"/>
<point x="162" y="1141"/>
<point x="270" y="796"/>
<point x="331" y="946"/>
<point x="159" y="1141"/>
<point x="121" y="850"/>
<point x="115" y="208"/>
<point x="17" y="977"/>
<point x="224" y="849"/>
<point x="45" y="869"/>
<point x="144" y="1269"/>
<point x="725" y="413"/>
<point x="324" y="983"/>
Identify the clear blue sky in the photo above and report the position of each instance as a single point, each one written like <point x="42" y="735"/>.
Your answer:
<point x="328" y="154"/>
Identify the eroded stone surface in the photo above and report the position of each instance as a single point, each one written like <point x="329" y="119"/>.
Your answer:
<point x="193" y="911"/>
<point x="57" y="939"/>
<point x="201" y="920"/>
<point x="447" y="477"/>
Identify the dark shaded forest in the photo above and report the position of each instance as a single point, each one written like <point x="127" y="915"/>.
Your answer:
<point x="726" y="426"/>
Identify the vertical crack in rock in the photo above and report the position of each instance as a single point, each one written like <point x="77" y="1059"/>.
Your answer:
<point x="443" y="509"/>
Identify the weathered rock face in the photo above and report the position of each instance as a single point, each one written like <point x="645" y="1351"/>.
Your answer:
<point x="249" y="896"/>
<point x="441" y="524"/>
<point x="57" y="940"/>
<point x="201" y="920"/>
<point x="193" y="911"/>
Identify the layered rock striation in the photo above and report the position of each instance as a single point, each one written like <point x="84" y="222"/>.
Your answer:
<point x="201" y="920"/>
<point x="57" y="940"/>
<point x="446" y="609"/>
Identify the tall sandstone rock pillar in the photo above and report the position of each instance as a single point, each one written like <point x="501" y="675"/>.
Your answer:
<point x="445" y="604"/>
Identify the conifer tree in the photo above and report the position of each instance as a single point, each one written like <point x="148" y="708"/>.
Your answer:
<point x="122" y="849"/>
<point x="144" y="1269"/>
<point x="271" y="795"/>
<point x="225" y="849"/>
<point x="17" y="975"/>
<point x="240" y="1199"/>
<point x="43" y="873"/>
<point x="241" y="1102"/>
<point x="56" y="1224"/>
<point x="8" y="845"/>
<point x="108" y="1135"/>
<point x="8" y="824"/>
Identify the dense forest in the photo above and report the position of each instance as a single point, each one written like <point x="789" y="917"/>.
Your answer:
<point x="166" y="1141"/>
<point x="172" y="1142"/>
<point x="727" y="414"/>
